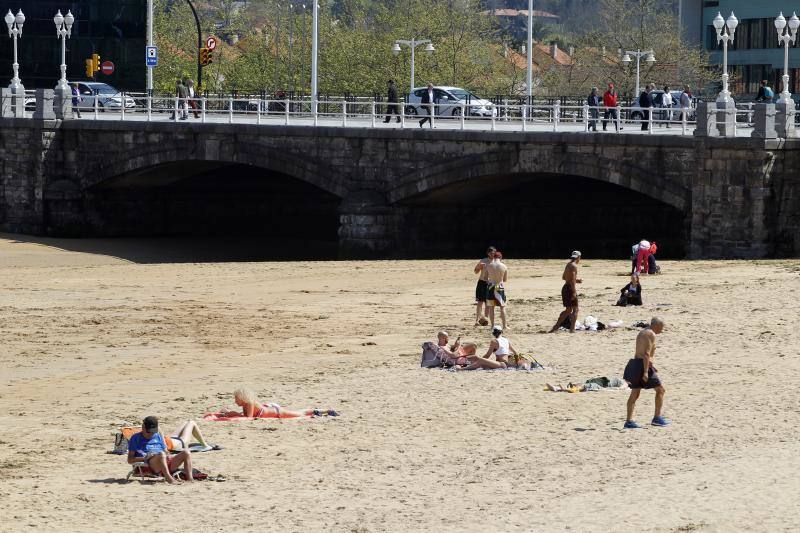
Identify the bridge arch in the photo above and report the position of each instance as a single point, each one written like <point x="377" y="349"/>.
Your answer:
<point x="614" y="171"/>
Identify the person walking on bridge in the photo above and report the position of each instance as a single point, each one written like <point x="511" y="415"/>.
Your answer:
<point x="392" y="106"/>
<point x="593" y="101"/>
<point x="610" y="103"/>
<point x="428" y="104"/>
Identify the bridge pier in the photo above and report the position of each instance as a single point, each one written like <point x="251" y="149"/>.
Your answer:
<point x="365" y="222"/>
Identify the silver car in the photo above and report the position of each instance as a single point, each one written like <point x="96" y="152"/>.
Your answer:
<point x="108" y="98"/>
<point x="449" y="103"/>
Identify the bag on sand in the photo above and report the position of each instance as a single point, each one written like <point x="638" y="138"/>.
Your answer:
<point x="430" y="356"/>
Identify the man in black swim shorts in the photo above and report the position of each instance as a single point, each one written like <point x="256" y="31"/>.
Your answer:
<point x="480" y="288"/>
<point x="641" y="374"/>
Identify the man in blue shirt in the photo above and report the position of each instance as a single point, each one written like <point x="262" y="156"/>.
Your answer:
<point x="149" y="447"/>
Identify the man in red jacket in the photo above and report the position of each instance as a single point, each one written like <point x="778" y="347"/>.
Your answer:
<point x="610" y="103"/>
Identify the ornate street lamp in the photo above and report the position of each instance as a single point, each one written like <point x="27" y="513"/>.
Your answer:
<point x="725" y="31"/>
<point x="648" y="56"/>
<point x="15" y="31"/>
<point x="413" y="43"/>
<point x="786" y="38"/>
<point x="63" y="32"/>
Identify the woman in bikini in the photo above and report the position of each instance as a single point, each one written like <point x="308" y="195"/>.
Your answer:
<point x="501" y="348"/>
<point x="252" y="408"/>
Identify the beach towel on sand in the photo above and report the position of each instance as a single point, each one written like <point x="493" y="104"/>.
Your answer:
<point x="221" y="416"/>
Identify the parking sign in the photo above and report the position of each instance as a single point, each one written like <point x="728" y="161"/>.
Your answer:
<point x="151" y="57"/>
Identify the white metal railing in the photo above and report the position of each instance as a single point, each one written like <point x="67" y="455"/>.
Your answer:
<point x="365" y="112"/>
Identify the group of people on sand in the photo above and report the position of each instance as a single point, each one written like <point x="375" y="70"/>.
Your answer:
<point x="640" y="373"/>
<point x="165" y="456"/>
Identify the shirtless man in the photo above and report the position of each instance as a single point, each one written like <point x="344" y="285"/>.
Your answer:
<point x="496" y="276"/>
<point x="641" y="374"/>
<point x="569" y="293"/>
<point x="480" y="289"/>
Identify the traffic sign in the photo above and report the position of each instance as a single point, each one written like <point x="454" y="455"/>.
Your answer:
<point x="107" y="68"/>
<point x="151" y="57"/>
<point x="211" y="42"/>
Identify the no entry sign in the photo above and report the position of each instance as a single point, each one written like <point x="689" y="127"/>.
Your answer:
<point x="211" y="42"/>
<point x="107" y="68"/>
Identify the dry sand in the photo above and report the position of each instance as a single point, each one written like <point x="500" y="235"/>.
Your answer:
<point x="106" y="335"/>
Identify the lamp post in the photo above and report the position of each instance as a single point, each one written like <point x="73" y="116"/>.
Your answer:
<point x="725" y="31"/>
<point x="14" y="31"/>
<point x="314" y="56"/>
<point x="529" y="50"/>
<point x="648" y="56"/>
<point x="63" y="32"/>
<point x="786" y="38"/>
<point x="413" y="43"/>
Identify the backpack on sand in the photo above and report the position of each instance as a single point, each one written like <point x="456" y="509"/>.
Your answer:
<point x="431" y="357"/>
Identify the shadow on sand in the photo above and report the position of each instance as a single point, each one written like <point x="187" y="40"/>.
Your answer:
<point x="154" y="250"/>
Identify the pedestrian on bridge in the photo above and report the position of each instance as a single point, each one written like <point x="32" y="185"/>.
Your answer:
<point x="646" y="102"/>
<point x="191" y="94"/>
<point x="392" y="106"/>
<point x="182" y="94"/>
<point x="428" y="104"/>
<point x="610" y="103"/>
<point x="594" y="109"/>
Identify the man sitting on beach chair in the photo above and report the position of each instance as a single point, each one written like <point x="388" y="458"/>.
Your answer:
<point x="148" y="447"/>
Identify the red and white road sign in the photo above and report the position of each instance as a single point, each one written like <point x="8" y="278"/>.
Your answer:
<point x="211" y="42"/>
<point x="107" y="68"/>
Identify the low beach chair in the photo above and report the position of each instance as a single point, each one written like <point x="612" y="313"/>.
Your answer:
<point x="143" y="471"/>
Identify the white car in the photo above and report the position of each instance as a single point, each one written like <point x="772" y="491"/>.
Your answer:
<point x="108" y="98"/>
<point x="450" y="101"/>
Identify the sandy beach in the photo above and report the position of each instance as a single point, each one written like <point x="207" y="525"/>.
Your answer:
<point x="98" y="334"/>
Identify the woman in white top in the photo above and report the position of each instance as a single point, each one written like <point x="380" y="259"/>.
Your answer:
<point x="500" y="347"/>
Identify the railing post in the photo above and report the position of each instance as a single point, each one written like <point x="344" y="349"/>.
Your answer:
<point x="175" y="116"/>
<point x="122" y="107"/>
<point x="494" y="108"/>
<point x="258" y="111"/>
<point x="586" y="117"/>
<point x="463" y="114"/>
<point x="650" y="120"/>
<point x="619" y="118"/>
<point x="373" y="112"/>
<point x="556" y="114"/>
<point x="344" y="112"/>
<point x="433" y="114"/>
<point x="203" y="110"/>
<point x="95" y="108"/>
<point x="149" y="108"/>
<point x="230" y="110"/>
<point x="524" y="117"/>
<point x="402" y="115"/>
<point x="315" y="111"/>
<point x="683" y="121"/>
<point x="286" y="110"/>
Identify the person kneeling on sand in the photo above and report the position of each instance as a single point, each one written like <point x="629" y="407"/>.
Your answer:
<point x="641" y="374"/>
<point x="149" y="447"/>
<point x="252" y="408"/>
<point x="501" y="348"/>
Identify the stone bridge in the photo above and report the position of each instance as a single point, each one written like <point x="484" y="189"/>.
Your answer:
<point x="403" y="192"/>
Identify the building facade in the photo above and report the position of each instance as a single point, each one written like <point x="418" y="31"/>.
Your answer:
<point x="114" y="29"/>
<point x="755" y="53"/>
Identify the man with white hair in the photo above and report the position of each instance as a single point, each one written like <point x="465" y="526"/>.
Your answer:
<point x="640" y="373"/>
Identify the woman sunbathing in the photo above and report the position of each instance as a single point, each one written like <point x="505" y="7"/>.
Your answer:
<point x="501" y="348"/>
<point x="252" y="408"/>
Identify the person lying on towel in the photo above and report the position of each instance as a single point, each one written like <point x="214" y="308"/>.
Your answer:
<point x="501" y="348"/>
<point x="252" y="408"/>
<point x="631" y="294"/>
<point x="149" y="447"/>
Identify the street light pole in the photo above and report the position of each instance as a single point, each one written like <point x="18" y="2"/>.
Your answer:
<point x="530" y="50"/>
<point x="314" y="56"/>
<point x="15" y="31"/>
<point x="63" y="32"/>
<point x="199" y="45"/>
<point x="725" y="31"/>
<point x="648" y="56"/>
<point x="785" y="38"/>
<point x="150" y="43"/>
<point x="413" y="43"/>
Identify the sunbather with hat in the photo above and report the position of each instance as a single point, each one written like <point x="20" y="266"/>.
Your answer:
<point x="149" y="447"/>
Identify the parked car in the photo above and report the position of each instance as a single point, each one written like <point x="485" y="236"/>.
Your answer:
<point x="108" y="97"/>
<point x="658" y="96"/>
<point x="450" y="101"/>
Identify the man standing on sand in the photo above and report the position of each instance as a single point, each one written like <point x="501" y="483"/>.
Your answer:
<point x="480" y="288"/>
<point x="496" y="276"/>
<point x="569" y="293"/>
<point x="641" y="374"/>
